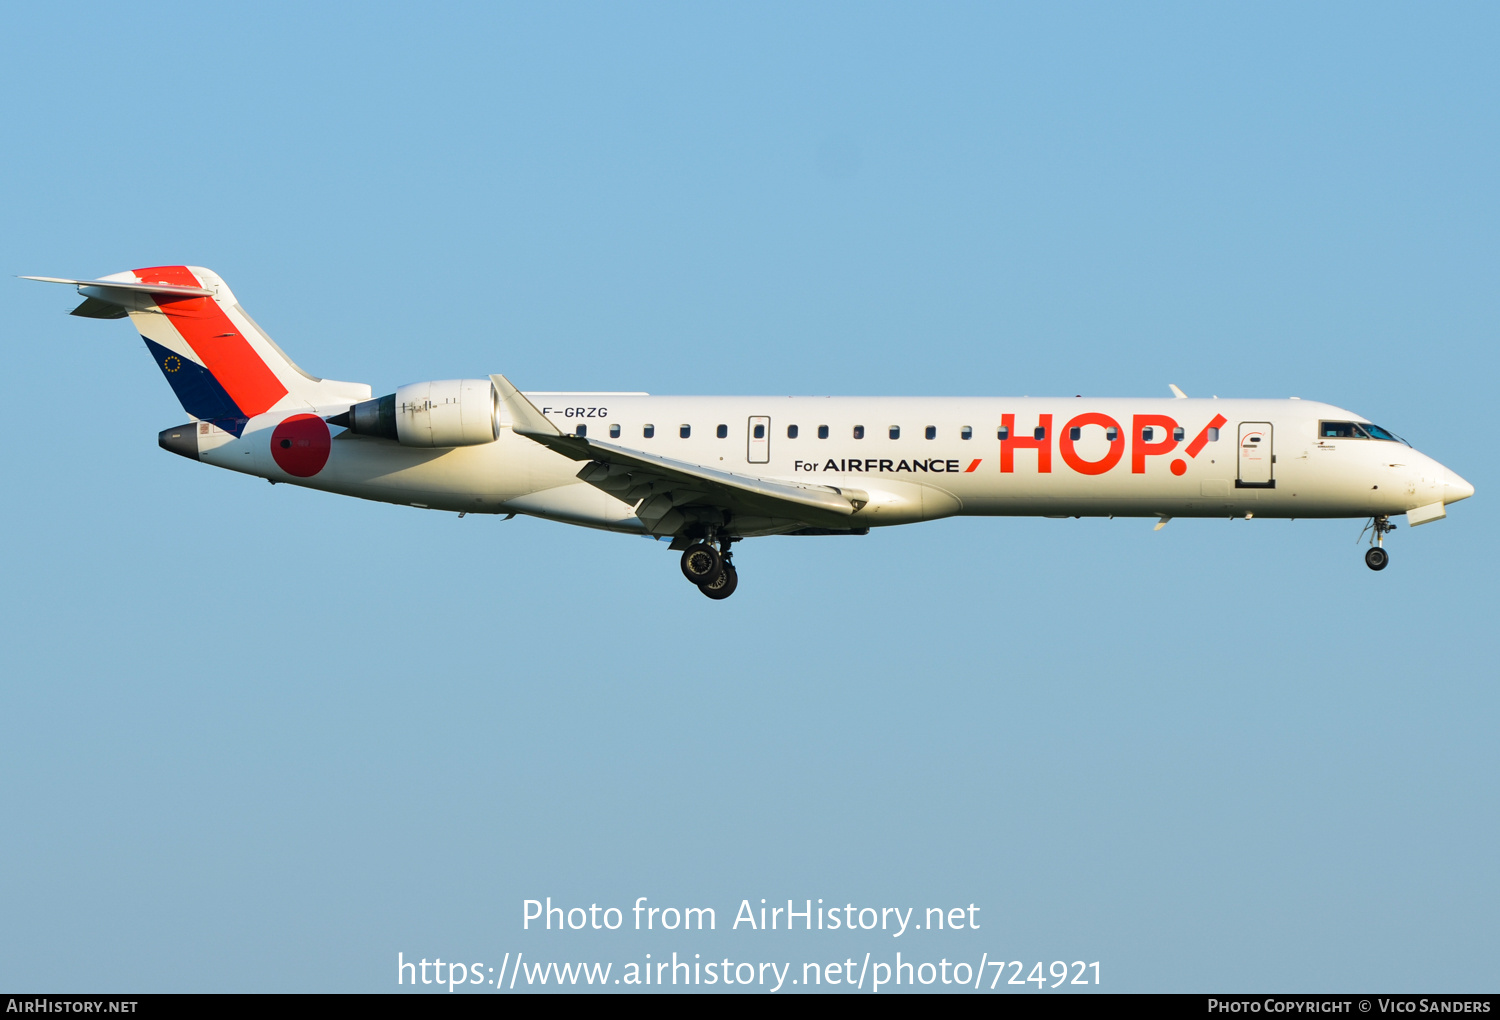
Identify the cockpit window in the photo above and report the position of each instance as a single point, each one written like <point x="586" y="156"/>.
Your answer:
<point x="1355" y="430"/>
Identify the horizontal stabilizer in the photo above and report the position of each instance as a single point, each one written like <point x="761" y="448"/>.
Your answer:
<point x="131" y="285"/>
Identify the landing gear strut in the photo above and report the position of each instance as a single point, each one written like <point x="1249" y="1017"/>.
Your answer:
<point x="1376" y="557"/>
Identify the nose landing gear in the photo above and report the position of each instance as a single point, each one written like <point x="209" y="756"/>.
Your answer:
<point x="1376" y="557"/>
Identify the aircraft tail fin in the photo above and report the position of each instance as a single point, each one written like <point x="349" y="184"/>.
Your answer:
<point x="220" y="363"/>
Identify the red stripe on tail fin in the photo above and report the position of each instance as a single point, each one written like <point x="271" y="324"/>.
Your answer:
<point x="247" y="379"/>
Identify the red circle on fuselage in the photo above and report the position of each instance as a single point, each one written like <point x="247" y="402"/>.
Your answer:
<point x="301" y="444"/>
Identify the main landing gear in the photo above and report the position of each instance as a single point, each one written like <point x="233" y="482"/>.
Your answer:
<point x="710" y="569"/>
<point x="1376" y="557"/>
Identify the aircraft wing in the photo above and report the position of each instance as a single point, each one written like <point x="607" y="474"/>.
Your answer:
<point x="669" y="493"/>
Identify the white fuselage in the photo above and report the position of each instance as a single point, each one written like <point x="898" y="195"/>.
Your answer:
<point x="1268" y="458"/>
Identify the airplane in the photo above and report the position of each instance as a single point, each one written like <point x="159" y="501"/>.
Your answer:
<point x="707" y="472"/>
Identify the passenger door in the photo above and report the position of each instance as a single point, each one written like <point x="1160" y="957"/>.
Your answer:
<point x="760" y="440"/>
<point x="1257" y="458"/>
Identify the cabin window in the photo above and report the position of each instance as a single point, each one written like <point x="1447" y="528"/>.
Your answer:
<point x="1039" y="433"/>
<point x="895" y="431"/>
<point x="614" y="432"/>
<point x="859" y="432"/>
<point x="1075" y="433"/>
<point x="1002" y="432"/>
<point x="931" y="432"/>
<point x="722" y="431"/>
<point x="822" y="431"/>
<point x="1111" y="433"/>
<point x="1147" y="433"/>
<point x="760" y="431"/>
<point x="580" y="430"/>
<point x="1213" y="435"/>
<point x="1179" y="433"/>
<point x="685" y="431"/>
<point x="791" y="432"/>
<point x="967" y="432"/>
<point x="648" y="431"/>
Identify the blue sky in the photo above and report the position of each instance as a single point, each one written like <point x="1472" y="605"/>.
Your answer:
<point x="262" y="738"/>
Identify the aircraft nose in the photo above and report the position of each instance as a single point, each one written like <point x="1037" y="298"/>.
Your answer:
<point x="1455" y="488"/>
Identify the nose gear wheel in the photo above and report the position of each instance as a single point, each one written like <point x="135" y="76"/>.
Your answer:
<point x="1376" y="558"/>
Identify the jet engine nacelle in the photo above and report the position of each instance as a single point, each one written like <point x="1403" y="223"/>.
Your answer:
<point x="448" y="412"/>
